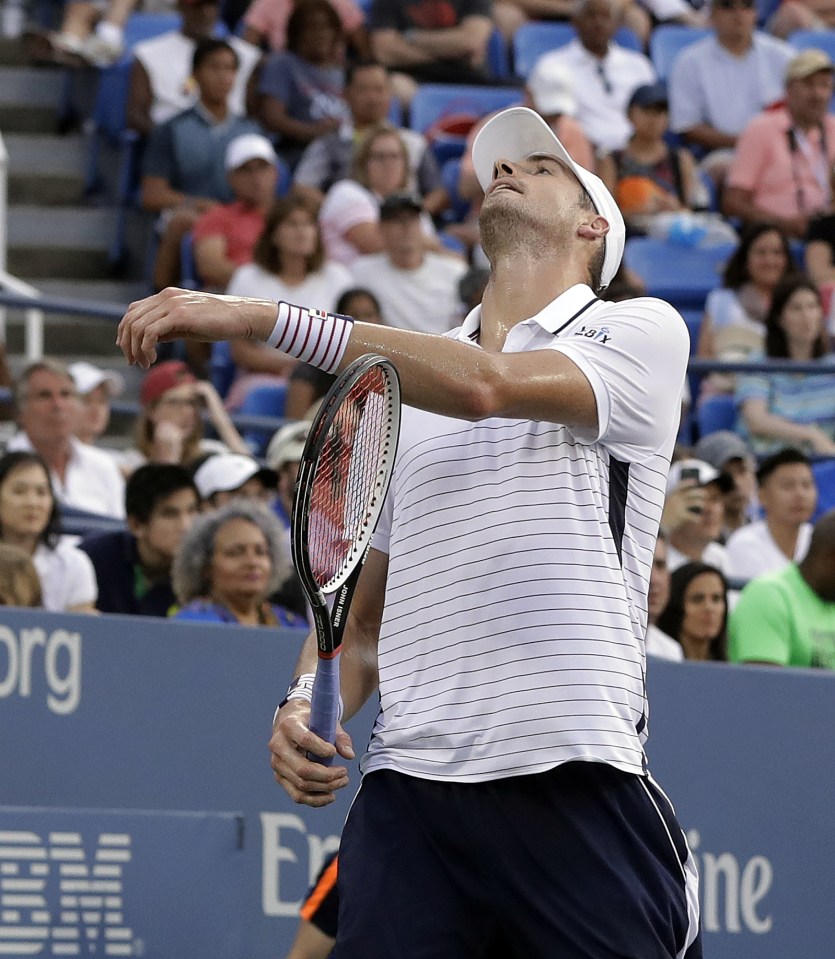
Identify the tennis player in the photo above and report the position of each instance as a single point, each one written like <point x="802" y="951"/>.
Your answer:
<point x="505" y="790"/>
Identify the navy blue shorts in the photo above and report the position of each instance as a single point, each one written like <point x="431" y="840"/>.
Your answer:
<point x="581" y="862"/>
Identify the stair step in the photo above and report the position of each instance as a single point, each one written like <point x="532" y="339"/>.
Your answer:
<point x="46" y="190"/>
<point x="115" y="292"/>
<point x="34" y="263"/>
<point x="78" y="227"/>
<point x="32" y="86"/>
<point x="26" y="119"/>
<point x="40" y="153"/>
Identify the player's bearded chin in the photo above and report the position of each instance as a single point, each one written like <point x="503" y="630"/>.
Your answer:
<point x="509" y="229"/>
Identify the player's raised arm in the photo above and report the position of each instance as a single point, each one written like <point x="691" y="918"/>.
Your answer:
<point x="535" y="258"/>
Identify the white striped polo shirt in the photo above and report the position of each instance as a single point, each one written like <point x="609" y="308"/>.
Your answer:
<point x="512" y="638"/>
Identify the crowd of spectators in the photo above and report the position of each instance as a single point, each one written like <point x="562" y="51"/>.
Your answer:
<point x="277" y="140"/>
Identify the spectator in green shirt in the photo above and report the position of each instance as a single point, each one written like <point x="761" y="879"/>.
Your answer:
<point x="788" y="618"/>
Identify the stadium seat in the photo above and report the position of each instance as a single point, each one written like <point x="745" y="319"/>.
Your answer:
<point x="682" y="275"/>
<point x="262" y="401"/>
<point x="693" y="319"/>
<point x="498" y="58"/>
<point x="824" y="472"/>
<point x="537" y="37"/>
<point x="667" y="41"/>
<point x="433" y="103"/>
<point x="814" y="39"/>
<point x="450" y="173"/>
<point x="221" y="367"/>
<point x="716" y="413"/>
<point x="189" y="280"/>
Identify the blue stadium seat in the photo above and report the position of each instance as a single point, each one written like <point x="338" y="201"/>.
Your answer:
<point x="189" y="279"/>
<point x="262" y="401"/>
<point x="824" y="472"/>
<point x="814" y="39"/>
<point x="537" y="37"/>
<point x="435" y="102"/>
<point x="667" y="41"/>
<point x="716" y="413"/>
<point x="682" y="275"/>
<point x="498" y="56"/>
<point x="693" y="318"/>
<point x="450" y="173"/>
<point x="222" y="367"/>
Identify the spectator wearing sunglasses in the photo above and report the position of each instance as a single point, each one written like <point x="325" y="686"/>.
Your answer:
<point x="735" y="57"/>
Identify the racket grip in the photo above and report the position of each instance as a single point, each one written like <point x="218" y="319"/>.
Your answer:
<point x="324" y="707"/>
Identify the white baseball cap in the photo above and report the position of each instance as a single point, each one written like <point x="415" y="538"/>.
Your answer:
<point x="225" y="472"/>
<point x="248" y="146"/>
<point x="551" y="87"/>
<point x="287" y="444"/>
<point x="87" y="377"/>
<point x="706" y="474"/>
<point x="518" y="132"/>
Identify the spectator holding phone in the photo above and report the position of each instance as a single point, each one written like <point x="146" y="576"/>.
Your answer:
<point x="693" y="514"/>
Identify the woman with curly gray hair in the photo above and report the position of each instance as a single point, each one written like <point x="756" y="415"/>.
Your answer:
<point x="227" y="565"/>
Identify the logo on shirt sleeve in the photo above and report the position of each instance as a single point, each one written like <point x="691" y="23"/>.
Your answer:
<point x="601" y="335"/>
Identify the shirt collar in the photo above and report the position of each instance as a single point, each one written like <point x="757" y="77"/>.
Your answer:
<point x="552" y="318"/>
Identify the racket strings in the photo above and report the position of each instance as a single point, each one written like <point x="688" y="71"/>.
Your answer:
<point x="348" y="477"/>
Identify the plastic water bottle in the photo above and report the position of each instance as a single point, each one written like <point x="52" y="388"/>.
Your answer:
<point x="686" y="230"/>
<point x="12" y="19"/>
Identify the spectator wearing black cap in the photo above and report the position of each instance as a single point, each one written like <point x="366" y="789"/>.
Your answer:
<point x="788" y="496"/>
<point x="133" y="566"/>
<point x="727" y="452"/>
<point x="417" y="289"/>
<point x="692" y="517"/>
<point x="648" y="176"/>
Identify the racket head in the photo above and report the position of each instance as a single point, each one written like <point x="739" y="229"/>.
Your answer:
<point x="344" y="475"/>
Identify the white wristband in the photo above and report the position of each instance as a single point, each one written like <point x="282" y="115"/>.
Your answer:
<point x="312" y="336"/>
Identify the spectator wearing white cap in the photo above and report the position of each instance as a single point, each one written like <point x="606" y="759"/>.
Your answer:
<point x="225" y="236"/>
<point x="284" y="455"/>
<point x="782" y="163"/>
<point x="96" y="388"/>
<point x="226" y="476"/>
<point x="693" y="513"/>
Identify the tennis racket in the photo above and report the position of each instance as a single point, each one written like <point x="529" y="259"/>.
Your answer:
<point x="343" y="477"/>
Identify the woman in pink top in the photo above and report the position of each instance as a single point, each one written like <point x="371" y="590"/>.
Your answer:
<point x="266" y="25"/>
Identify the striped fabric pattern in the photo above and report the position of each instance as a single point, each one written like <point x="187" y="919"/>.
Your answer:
<point x="519" y="559"/>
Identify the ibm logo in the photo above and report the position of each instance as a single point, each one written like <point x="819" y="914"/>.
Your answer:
<point x="37" y="876"/>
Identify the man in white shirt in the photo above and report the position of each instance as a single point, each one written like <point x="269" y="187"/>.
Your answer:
<point x="48" y="410"/>
<point x="788" y="496"/>
<point x="605" y="74"/>
<point x="417" y="290"/>
<point x="721" y="82"/>
<point x="693" y="531"/>
<point x="502" y="608"/>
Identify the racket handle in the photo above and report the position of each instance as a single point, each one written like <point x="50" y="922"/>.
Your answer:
<point x="324" y="708"/>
